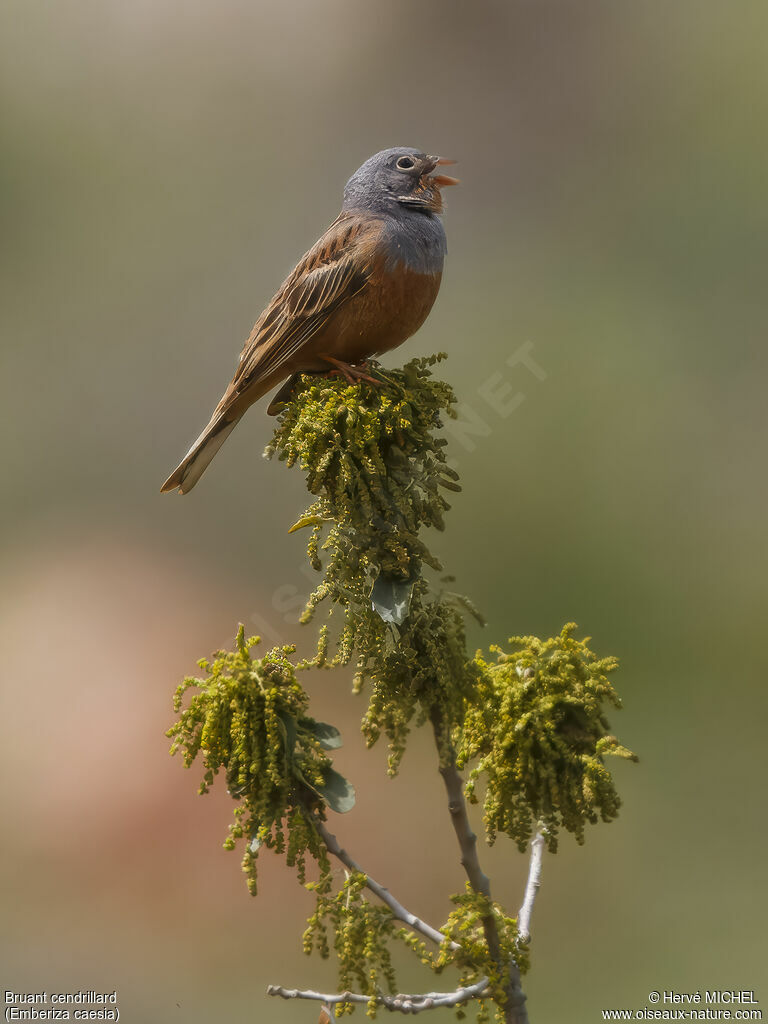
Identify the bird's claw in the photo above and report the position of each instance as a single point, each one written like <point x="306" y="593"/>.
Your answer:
<point x="352" y="374"/>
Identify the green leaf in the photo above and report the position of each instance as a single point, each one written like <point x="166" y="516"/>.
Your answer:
<point x="289" y="724"/>
<point x="337" y="792"/>
<point x="328" y="736"/>
<point x="307" y="521"/>
<point x="391" y="599"/>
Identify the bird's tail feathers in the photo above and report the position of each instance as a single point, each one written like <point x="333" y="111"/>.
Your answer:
<point x="195" y="462"/>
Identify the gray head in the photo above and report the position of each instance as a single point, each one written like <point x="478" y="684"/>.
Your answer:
<point x="397" y="179"/>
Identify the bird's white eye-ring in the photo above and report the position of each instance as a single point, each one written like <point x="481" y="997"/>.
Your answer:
<point x="405" y="163"/>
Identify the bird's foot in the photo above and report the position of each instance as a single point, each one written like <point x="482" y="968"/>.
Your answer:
<point x="351" y="373"/>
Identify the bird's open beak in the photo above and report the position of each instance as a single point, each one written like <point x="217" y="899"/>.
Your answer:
<point x="440" y="180"/>
<point x="426" y="191"/>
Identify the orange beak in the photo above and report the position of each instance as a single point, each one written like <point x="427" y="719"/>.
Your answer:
<point x="441" y="180"/>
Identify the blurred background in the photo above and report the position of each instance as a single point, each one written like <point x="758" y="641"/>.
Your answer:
<point x="163" y="165"/>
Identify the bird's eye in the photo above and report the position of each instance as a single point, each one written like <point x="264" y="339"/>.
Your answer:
<point x="405" y="163"/>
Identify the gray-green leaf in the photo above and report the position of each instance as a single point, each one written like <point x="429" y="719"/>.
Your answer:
<point x="337" y="792"/>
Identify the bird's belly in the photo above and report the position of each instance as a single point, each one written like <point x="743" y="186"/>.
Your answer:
<point x="390" y="309"/>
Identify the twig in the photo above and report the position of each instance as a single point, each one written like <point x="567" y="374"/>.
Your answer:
<point x="515" y="1011"/>
<point x="531" y="888"/>
<point x="404" y="1003"/>
<point x="386" y="897"/>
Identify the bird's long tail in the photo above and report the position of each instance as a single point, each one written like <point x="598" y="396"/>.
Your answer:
<point x="195" y="462"/>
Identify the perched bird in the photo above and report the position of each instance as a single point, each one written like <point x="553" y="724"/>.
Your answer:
<point x="364" y="287"/>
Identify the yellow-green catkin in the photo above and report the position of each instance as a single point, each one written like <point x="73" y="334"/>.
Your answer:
<point x="538" y="736"/>
<point x="375" y="458"/>
<point x="247" y="718"/>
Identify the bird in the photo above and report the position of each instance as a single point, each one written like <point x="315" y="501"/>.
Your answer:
<point x="363" y="288"/>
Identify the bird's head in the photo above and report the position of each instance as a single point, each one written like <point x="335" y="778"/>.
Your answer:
<point x="397" y="178"/>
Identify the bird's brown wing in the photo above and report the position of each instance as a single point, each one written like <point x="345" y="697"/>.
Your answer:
<point x="337" y="267"/>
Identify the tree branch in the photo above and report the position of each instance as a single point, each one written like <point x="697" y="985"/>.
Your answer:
<point x="386" y="897"/>
<point x="531" y="888"/>
<point x="515" y="1011"/>
<point x="404" y="1003"/>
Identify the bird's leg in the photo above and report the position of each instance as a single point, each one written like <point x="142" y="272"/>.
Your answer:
<point x="351" y="373"/>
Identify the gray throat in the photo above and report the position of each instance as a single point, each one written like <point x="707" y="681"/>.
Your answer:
<point x="416" y="240"/>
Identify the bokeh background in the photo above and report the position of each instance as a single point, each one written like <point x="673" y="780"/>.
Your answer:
<point x="163" y="165"/>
